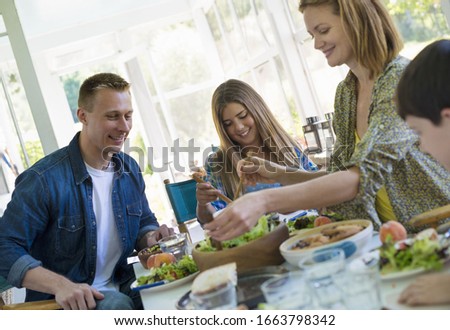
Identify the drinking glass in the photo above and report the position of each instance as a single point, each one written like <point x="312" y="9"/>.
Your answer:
<point x="175" y="244"/>
<point x="362" y="286"/>
<point x="288" y="291"/>
<point x="324" y="272"/>
<point x="222" y="297"/>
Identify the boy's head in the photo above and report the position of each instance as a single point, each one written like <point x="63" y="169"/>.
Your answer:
<point x="423" y="99"/>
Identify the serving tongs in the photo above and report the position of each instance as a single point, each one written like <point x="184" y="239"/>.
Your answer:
<point x="432" y="217"/>
<point x="198" y="178"/>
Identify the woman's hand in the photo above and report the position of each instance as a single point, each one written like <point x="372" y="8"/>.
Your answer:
<point x="255" y="169"/>
<point x="206" y="194"/>
<point x="237" y="218"/>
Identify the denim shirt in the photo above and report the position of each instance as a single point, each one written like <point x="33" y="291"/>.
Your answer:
<point x="50" y="221"/>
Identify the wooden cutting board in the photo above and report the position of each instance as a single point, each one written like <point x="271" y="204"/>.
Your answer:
<point x="431" y="216"/>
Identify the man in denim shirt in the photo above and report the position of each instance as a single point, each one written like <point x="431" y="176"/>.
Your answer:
<point x="77" y="214"/>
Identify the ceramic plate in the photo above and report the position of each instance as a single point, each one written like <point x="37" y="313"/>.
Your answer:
<point x="248" y="287"/>
<point x="149" y="287"/>
<point x="370" y="258"/>
<point x="403" y="274"/>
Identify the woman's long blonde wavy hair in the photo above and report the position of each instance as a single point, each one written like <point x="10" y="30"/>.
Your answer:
<point x="373" y="35"/>
<point x="276" y="140"/>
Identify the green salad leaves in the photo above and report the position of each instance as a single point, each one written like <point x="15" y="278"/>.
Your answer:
<point x="260" y="229"/>
<point x="171" y="272"/>
<point x="404" y="256"/>
<point x="307" y="221"/>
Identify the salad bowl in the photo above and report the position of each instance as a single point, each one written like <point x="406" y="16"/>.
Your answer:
<point x="263" y="251"/>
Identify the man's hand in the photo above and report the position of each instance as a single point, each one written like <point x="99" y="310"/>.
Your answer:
<point x="77" y="296"/>
<point x="68" y="294"/>
<point x="154" y="236"/>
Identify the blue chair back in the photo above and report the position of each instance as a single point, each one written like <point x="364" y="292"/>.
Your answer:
<point x="182" y="196"/>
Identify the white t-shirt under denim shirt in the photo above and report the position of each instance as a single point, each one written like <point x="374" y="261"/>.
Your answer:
<point x="108" y="246"/>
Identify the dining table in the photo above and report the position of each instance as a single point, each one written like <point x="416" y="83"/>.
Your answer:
<point x="166" y="297"/>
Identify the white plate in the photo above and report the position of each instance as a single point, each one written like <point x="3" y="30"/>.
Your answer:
<point x="373" y="257"/>
<point x="166" y="286"/>
<point x="403" y="274"/>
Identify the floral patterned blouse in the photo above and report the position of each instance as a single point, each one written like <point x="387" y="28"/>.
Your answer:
<point x="388" y="154"/>
<point x="216" y="181"/>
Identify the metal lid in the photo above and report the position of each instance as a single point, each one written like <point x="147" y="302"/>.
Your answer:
<point x="312" y="120"/>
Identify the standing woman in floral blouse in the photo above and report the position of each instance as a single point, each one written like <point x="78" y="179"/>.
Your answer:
<point x="378" y="171"/>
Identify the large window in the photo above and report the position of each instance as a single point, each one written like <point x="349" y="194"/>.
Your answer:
<point x="245" y="41"/>
<point x="175" y="57"/>
<point x="20" y="145"/>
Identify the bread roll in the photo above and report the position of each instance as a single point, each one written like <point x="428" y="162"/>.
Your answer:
<point x="213" y="278"/>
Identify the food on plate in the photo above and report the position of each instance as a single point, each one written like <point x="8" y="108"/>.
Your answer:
<point x="170" y="272"/>
<point x="260" y="229"/>
<point x="311" y="221"/>
<point x="431" y="233"/>
<point x="328" y="235"/>
<point x="339" y="232"/>
<point x="159" y="259"/>
<point x="394" y="229"/>
<point x="322" y="220"/>
<point x="422" y="251"/>
<point x="214" y="278"/>
<point x="311" y="242"/>
<point x="145" y="253"/>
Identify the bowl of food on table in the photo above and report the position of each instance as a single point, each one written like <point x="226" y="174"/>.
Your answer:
<point x="350" y="235"/>
<point x="145" y="253"/>
<point x="257" y="248"/>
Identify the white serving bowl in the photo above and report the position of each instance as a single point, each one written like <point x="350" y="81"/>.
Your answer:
<point x="352" y="245"/>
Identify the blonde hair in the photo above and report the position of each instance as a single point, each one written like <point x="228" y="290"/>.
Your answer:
<point x="275" y="138"/>
<point x="373" y="35"/>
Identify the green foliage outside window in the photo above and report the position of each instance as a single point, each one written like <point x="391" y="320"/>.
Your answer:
<point x="139" y="142"/>
<point x="72" y="83"/>
<point x="418" y="20"/>
<point x="34" y="151"/>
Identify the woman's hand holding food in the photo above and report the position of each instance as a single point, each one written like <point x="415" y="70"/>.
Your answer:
<point x="255" y="169"/>
<point x="237" y="218"/>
